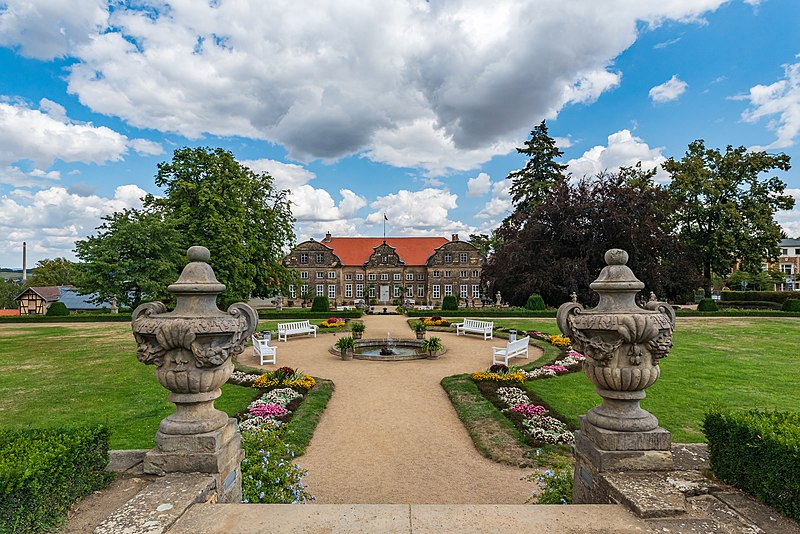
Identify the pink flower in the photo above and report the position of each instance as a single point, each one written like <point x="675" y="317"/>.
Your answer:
<point x="529" y="410"/>
<point x="556" y="368"/>
<point x="268" y="410"/>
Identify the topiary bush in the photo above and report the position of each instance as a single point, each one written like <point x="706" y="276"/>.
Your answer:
<point x="45" y="471"/>
<point x="57" y="309"/>
<point x="449" y="302"/>
<point x="707" y="305"/>
<point x="320" y="304"/>
<point x="758" y="452"/>
<point x="791" y="305"/>
<point x="535" y="302"/>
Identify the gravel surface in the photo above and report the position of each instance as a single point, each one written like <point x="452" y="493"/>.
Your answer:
<point x="390" y="434"/>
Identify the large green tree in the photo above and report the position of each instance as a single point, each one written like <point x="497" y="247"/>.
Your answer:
<point x="54" y="272"/>
<point x="9" y="291"/>
<point x="726" y="208"/>
<point x="133" y="257"/>
<point x="240" y="216"/>
<point x="531" y="184"/>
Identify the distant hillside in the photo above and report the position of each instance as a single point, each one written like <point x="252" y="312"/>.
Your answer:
<point x="11" y="274"/>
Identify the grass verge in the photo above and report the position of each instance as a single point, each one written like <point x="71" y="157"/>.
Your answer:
<point x="304" y="421"/>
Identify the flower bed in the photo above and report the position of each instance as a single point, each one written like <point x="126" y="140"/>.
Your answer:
<point x="435" y="321"/>
<point x="332" y="322"/>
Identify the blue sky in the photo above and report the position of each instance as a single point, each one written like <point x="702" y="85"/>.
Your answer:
<point x="359" y="108"/>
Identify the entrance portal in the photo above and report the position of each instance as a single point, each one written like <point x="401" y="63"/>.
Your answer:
<point x="384" y="294"/>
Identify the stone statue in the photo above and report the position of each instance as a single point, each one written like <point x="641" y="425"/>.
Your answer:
<point x="191" y="348"/>
<point x="652" y="297"/>
<point x="573" y="297"/>
<point x="114" y="306"/>
<point x="498" y="299"/>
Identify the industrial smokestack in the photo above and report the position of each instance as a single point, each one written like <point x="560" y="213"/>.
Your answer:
<point x="24" y="261"/>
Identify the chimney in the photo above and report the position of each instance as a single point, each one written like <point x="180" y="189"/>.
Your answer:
<point x="455" y="237"/>
<point x="327" y="237"/>
<point x="24" y="261"/>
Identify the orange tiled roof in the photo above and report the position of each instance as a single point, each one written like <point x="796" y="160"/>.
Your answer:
<point x="357" y="250"/>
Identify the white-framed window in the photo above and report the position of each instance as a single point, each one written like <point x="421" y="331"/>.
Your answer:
<point x="371" y="292"/>
<point x="448" y="274"/>
<point x="304" y="275"/>
<point x="787" y="268"/>
<point x="384" y="276"/>
<point x="320" y="257"/>
<point x="476" y="290"/>
<point x="384" y="259"/>
<point x="463" y="257"/>
<point x="320" y="290"/>
<point x="348" y="291"/>
<point x="410" y="291"/>
<point x="292" y="292"/>
<point x="348" y="276"/>
<point x="331" y="291"/>
<point x="436" y="291"/>
<point x="303" y="258"/>
<point x="421" y="292"/>
<point x="420" y="277"/>
<point x="373" y="277"/>
<point x="784" y="251"/>
<point x="437" y="273"/>
<point x="463" y="274"/>
<point x="397" y="277"/>
<point x="410" y="277"/>
<point x="463" y="291"/>
<point x="476" y="274"/>
<point x="448" y="258"/>
<point x="359" y="291"/>
<point x="448" y="289"/>
<point x="359" y="276"/>
<point x="320" y="274"/>
<point x="396" y="291"/>
<point x="331" y="274"/>
<point x="304" y="290"/>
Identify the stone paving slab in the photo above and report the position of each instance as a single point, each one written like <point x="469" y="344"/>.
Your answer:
<point x="404" y="518"/>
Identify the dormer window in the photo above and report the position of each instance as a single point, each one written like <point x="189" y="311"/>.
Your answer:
<point x="384" y="259"/>
<point x="448" y="258"/>
<point x="320" y="257"/>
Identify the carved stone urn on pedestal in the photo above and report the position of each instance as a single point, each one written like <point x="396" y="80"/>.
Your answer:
<point x="623" y="344"/>
<point x="191" y="348"/>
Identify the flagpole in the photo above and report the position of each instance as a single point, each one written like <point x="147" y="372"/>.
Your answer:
<point x="384" y="227"/>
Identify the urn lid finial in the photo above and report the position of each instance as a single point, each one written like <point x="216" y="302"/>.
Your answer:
<point x="197" y="276"/>
<point x="616" y="275"/>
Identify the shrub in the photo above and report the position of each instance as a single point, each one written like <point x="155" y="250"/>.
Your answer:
<point x="707" y="305"/>
<point x="268" y="475"/>
<point x="345" y="343"/>
<point x="432" y="345"/>
<point x="791" y="305"/>
<point x="320" y="304"/>
<point x="357" y="327"/>
<point x="57" y="309"/>
<point x="772" y="296"/>
<point x="449" y="302"/>
<point x="749" y="305"/>
<point x="43" y="472"/>
<point x="535" y="302"/>
<point x="758" y="452"/>
<point x="554" y="486"/>
<point x="419" y="326"/>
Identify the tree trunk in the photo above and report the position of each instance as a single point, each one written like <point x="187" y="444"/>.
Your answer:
<point x="707" y="278"/>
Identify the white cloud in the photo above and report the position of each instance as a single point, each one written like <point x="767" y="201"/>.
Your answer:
<point x="330" y="79"/>
<point x="669" y="90"/>
<point x="563" y="142"/>
<point x="789" y="220"/>
<point x="500" y="204"/>
<point x="780" y="100"/>
<point x="623" y="150"/>
<point x="52" y="219"/>
<point x="285" y="175"/>
<point x="478" y="186"/>
<point x="46" y="134"/>
<point x="312" y="204"/>
<point x="424" y="212"/>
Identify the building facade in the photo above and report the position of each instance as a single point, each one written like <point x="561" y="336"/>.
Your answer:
<point x="789" y="264"/>
<point x="420" y="270"/>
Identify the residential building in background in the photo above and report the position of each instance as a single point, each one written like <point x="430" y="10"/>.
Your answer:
<point x="407" y="269"/>
<point x="789" y="264"/>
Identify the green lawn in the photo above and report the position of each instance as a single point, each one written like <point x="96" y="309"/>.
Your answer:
<point x="86" y="373"/>
<point x="736" y="363"/>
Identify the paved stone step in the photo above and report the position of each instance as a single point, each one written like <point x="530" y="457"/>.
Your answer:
<point x="405" y="518"/>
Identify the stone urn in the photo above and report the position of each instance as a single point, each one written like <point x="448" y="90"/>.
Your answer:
<point x="623" y="344"/>
<point x="191" y="348"/>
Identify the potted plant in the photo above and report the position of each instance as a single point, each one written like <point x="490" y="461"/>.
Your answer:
<point x="432" y="346"/>
<point x="357" y="329"/>
<point x="420" y="328"/>
<point x="346" y="345"/>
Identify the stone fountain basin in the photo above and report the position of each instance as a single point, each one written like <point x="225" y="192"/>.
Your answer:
<point x="407" y="349"/>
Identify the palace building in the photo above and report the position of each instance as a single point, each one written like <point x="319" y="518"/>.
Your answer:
<point x="418" y="269"/>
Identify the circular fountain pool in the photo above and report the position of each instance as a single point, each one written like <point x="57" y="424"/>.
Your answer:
<point x="402" y="349"/>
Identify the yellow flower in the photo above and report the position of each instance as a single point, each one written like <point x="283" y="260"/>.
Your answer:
<point x="505" y="378"/>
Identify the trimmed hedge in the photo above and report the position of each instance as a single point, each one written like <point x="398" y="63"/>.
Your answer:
<point x="758" y="452"/>
<point x="707" y="305"/>
<point x="736" y="312"/>
<point x="45" y="471"/>
<point x="791" y="305"/>
<point x="320" y="304"/>
<point x="771" y="296"/>
<point x="449" y="303"/>
<point x="57" y="309"/>
<point x="82" y="318"/>
<point x="306" y="314"/>
<point x="750" y="304"/>
<point x="483" y="312"/>
<point x="535" y="302"/>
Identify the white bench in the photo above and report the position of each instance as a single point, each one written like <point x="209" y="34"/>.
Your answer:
<point x="297" y="327"/>
<point x="263" y="350"/>
<point x="478" y="327"/>
<point x="424" y="308"/>
<point x="512" y="349"/>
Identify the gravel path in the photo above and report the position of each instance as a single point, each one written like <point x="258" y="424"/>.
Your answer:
<point x="390" y="434"/>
